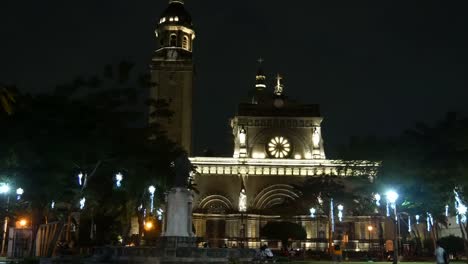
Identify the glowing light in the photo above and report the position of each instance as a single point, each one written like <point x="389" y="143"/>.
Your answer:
<point x="417" y="219"/>
<point x="52" y="204"/>
<point x="176" y="19"/>
<point x="340" y="212"/>
<point x="298" y="156"/>
<point x="22" y="222"/>
<point x="171" y="19"/>
<point x="4" y="188"/>
<point x="446" y="210"/>
<point x="409" y="223"/>
<point x="151" y="190"/>
<point x="392" y="196"/>
<point x="19" y="192"/>
<point x="377" y="199"/>
<point x="80" y="178"/>
<point x="160" y="212"/>
<point x="332" y="215"/>
<point x="82" y="203"/>
<point x="118" y="179"/>
<point x="429" y="220"/>
<point x="257" y="155"/>
<point x="149" y="225"/>
<point x="461" y="208"/>
<point x="370" y="228"/>
<point x="279" y="147"/>
<point x="312" y="212"/>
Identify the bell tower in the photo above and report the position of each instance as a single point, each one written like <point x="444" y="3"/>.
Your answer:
<point x="172" y="73"/>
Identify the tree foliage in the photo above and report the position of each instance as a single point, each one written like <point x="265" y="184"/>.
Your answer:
<point x="95" y="126"/>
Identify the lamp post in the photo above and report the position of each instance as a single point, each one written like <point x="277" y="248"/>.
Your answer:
<point x="392" y="197"/>
<point x="4" y="189"/>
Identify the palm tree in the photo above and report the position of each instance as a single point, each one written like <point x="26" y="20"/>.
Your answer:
<point x="7" y="99"/>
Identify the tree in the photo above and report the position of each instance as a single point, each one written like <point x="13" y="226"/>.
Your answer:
<point x="94" y="126"/>
<point x="283" y="231"/>
<point x="7" y="99"/>
<point x="424" y="164"/>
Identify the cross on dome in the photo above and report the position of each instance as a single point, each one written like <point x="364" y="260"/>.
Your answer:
<point x="279" y="85"/>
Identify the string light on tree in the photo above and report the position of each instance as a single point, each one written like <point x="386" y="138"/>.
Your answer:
<point x="82" y="203"/>
<point x="461" y="208"/>
<point x="340" y="212"/>
<point x="429" y="222"/>
<point x="332" y="215"/>
<point x="118" y="179"/>
<point x="160" y="212"/>
<point x="377" y="199"/>
<point x="80" y="179"/>
<point x="409" y="223"/>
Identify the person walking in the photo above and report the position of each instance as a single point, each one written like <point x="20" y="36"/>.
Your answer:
<point x="337" y="254"/>
<point x="440" y="254"/>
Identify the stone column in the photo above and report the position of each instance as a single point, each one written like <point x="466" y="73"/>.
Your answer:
<point x="179" y="213"/>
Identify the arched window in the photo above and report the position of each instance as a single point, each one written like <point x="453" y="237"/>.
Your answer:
<point x="173" y="40"/>
<point x="185" y="43"/>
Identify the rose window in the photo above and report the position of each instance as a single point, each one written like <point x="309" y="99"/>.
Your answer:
<point x="279" y="147"/>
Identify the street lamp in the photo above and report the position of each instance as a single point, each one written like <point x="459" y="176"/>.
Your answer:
<point x="392" y="197"/>
<point x="151" y="190"/>
<point x="4" y="189"/>
<point x="19" y="192"/>
<point x="312" y="212"/>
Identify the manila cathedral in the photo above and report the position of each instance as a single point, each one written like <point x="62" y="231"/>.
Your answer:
<point x="278" y="143"/>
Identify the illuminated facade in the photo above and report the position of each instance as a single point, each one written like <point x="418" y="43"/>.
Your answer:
<point x="277" y="143"/>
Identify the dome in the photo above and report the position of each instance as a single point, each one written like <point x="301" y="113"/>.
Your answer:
<point x="176" y="13"/>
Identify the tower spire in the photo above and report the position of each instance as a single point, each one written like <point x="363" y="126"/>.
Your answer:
<point x="279" y="86"/>
<point x="260" y="77"/>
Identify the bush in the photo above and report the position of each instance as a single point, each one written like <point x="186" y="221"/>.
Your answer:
<point x="452" y="244"/>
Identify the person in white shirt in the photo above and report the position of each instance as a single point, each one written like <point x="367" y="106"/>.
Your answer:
<point x="440" y="254"/>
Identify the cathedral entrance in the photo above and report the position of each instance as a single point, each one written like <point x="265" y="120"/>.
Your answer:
<point x="215" y="233"/>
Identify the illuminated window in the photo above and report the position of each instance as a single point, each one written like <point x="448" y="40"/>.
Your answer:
<point x="173" y="40"/>
<point x="163" y="20"/>
<point x="171" y="19"/>
<point x="279" y="147"/>
<point x="176" y="19"/>
<point x="185" y="44"/>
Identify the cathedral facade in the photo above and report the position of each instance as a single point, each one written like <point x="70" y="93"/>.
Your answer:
<point x="278" y="143"/>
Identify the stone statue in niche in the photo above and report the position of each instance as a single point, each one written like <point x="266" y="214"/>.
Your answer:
<point x="182" y="170"/>
<point x="316" y="137"/>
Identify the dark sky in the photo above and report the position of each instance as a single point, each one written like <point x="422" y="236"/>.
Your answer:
<point x="376" y="67"/>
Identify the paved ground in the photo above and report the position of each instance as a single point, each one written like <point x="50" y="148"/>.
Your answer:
<point x="357" y="262"/>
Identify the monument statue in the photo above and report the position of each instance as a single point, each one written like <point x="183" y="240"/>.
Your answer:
<point x="182" y="170"/>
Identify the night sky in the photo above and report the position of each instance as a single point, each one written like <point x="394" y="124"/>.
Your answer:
<point x="375" y="67"/>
